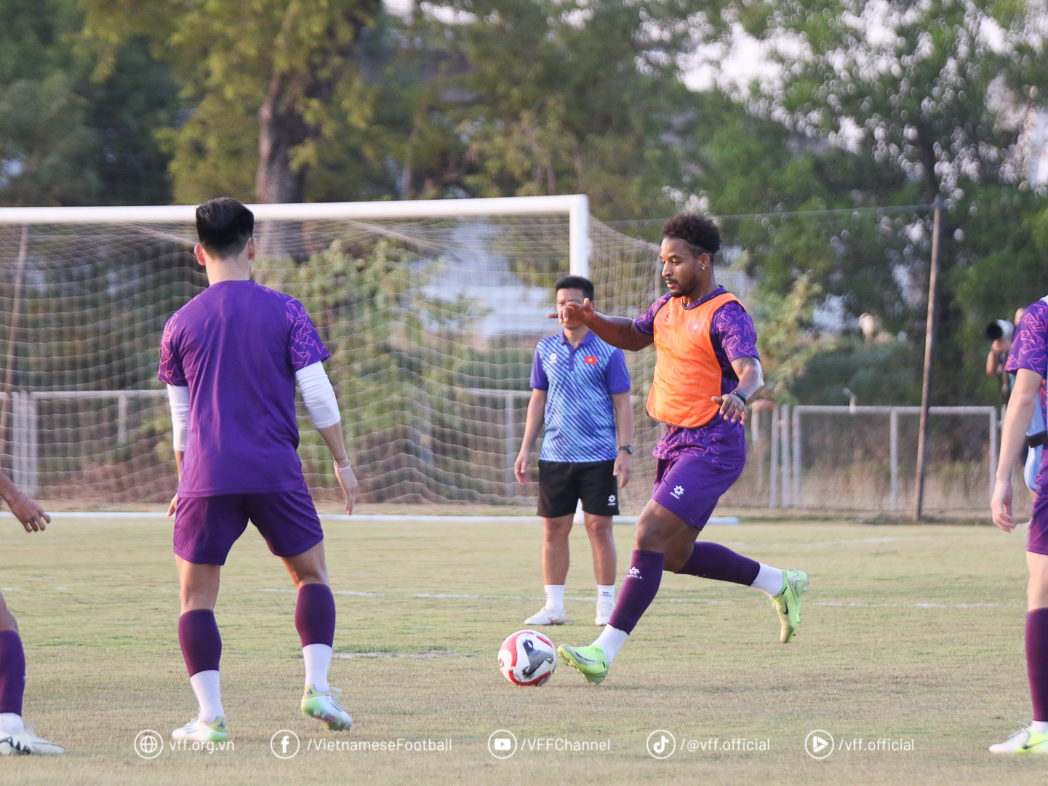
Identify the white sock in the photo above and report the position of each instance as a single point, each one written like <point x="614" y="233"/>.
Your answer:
<point x="1039" y="727"/>
<point x="609" y="640"/>
<point x="606" y="593"/>
<point x="11" y="723"/>
<point x="554" y="597"/>
<point x="768" y="580"/>
<point x="318" y="659"/>
<point x="205" y="686"/>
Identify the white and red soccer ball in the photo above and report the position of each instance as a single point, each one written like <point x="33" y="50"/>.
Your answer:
<point x="527" y="657"/>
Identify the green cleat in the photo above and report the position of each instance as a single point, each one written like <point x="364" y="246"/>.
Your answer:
<point x="198" y="730"/>
<point x="588" y="660"/>
<point x="326" y="709"/>
<point x="1023" y="741"/>
<point x="788" y="602"/>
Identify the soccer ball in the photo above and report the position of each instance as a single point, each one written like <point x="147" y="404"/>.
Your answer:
<point x="527" y="658"/>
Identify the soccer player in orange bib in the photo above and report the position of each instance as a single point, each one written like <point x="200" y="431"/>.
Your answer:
<point x="707" y="367"/>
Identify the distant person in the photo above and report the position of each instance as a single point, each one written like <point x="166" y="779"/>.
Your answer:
<point x="1028" y="360"/>
<point x="15" y="737"/>
<point x="1036" y="436"/>
<point x="581" y="390"/>
<point x="706" y="368"/>
<point x="231" y="358"/>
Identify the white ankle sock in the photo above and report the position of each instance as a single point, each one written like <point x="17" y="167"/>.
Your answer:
<point x="11" y="723"/>
<point x="768" y="580"/>
<point x="554" y="596"/>
<point x="1039" y="727"/>
<point x="318" y="660"/>
<point x="205" y="686"/>
<point x="609" y="640"/>
<point x="606" y="593"/>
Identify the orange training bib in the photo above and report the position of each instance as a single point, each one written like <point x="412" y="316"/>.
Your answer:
<point x="687" y="374"/>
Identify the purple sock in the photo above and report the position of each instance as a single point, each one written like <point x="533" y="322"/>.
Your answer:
<point x="12" y="672"/>
<point x="200" y="640"/>
<point x="639" y="589"/>
<point x="315" y="615"/>
<point x="1037" y="661"/>
<point x="717" y="562"/>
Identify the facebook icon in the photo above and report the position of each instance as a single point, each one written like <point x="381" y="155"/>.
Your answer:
<point x="284" y="744"/>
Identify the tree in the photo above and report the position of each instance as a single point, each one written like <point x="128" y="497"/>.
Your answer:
<point x="266" y="83"/>
<point x="891" y="104"/>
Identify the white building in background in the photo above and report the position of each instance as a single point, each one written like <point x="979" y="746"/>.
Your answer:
<point x="1035" y="146"/>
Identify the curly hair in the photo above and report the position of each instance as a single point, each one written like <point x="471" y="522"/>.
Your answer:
<point x="697" y="231"/>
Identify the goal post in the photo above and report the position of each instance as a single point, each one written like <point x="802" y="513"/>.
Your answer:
<point x="431" y="310"/>
<point x="574" y="206"/>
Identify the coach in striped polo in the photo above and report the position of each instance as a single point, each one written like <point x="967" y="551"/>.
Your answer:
<point x="581" y="389"/>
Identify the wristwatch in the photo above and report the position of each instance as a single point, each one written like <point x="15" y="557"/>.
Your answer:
<point x="348" y="464"/>
<point x="627" y="448"/>
<point x="739" y="395"/>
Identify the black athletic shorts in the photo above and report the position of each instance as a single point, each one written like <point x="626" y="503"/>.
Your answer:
<point x="563" y="483"/>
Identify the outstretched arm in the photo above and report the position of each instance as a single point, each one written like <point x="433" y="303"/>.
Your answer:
<point x="25" y="509"/>
<point x="618" y="331"/>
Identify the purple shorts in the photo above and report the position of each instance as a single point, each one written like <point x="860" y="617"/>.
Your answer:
<point x="689" y="485"/>
<point x="207" y="527"/>
<point x="1037" y="540"/>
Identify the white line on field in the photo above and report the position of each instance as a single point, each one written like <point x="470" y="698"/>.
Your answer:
<point x="695" y="601"/>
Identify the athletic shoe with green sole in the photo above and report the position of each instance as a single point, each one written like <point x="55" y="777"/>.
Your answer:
<point x="325" y="708"/>
<point x="788" y="602"/>
<point x="588" y="660"/>
<point x="198" y="730"/>
<point x="27" y="742"/>
<point x="1023" y="741"/>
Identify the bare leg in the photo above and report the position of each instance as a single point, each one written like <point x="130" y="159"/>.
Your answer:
<point x="602" y="542"/>
<point x="555" y="550"/>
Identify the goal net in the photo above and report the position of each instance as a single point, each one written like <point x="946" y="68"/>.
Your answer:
<point x="431" y="315"/>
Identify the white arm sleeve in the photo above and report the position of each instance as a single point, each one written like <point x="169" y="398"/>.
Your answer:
<point x="318" y="395"/>
<point x="178" y="399"/>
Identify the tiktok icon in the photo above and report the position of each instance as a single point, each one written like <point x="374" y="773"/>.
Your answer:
<point x="661" y="744"/>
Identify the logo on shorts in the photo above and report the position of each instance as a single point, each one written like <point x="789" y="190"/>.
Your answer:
<point x="590" y="359"/>
<point x="611" y="499"/>
<point x="677" y="491"/>
<point x="633" y="573"/>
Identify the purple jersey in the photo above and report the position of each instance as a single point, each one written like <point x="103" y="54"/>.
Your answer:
<point x="237" y="346"/>
<point x="733" y="336"/>
<point x="1030" y="351"/>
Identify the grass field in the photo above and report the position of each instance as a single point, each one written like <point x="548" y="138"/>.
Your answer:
<point x="909" y="633"/>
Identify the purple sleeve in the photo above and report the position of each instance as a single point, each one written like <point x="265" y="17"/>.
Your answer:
<point x="539" y="380"/>
<point x="1030" y="347"/>
<point x="615" y="374"/>
<point x="171" y="372"/>
<point x="305" y="345"/>
<point x="645" y="323"/>
<point x="733" y="327"/>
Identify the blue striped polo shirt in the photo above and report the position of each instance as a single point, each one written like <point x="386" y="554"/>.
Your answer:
<point x="579" y="383"/>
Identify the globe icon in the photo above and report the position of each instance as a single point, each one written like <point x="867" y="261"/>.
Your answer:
<point x="149" y="744"/>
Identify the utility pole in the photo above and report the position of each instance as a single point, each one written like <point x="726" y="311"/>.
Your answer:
<point x="929" y="351"/>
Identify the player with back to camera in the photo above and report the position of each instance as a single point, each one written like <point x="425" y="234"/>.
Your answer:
<point x="1028" y="360"/>
<point x="581" y="390"/>
<point x="706" y="368"/>
<point x="231" y="358"/>
<point x="15" y="737"/>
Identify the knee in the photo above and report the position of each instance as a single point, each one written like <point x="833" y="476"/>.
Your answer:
<point x="650" y="538"/>
<point x="7" y="619"/>
<point x="557" y="530"/>
<point x="598" y="526"/>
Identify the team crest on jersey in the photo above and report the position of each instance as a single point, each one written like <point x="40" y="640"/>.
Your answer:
<point x="552" y="357"/>
<point x="590" y="359"/>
